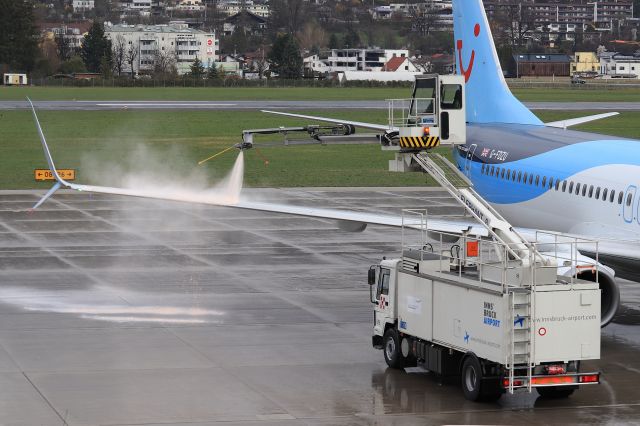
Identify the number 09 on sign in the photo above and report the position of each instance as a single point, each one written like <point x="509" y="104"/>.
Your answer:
<point x="45" y="174"/>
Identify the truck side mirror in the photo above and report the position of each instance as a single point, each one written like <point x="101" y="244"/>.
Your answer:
<point x="371" y="277"/>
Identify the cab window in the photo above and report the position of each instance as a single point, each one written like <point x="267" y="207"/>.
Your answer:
<point x="383" y="282"/>
<point x="451" y="96"/>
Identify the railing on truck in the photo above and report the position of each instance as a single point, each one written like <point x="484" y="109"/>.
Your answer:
<point x="487" y="263"/>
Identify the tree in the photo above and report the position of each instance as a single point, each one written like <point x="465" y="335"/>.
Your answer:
<point x="212" y="72"/>
<point x="119" y="51"/>
<point x="333" y="41"/>
<point x="63" y="47"/>
<point x="312" y="36"/>
<point x="287" y="15"/>
<point x="18" y="35"/>
<point x="131" y="56"/>
<point x="72" y="66"/>
<point x="423" y="19"/>
<point x="285" y="57"/>
<point x="95" y="46"/>
<point x="164" y="64"/>
<point x="197" y="70"/>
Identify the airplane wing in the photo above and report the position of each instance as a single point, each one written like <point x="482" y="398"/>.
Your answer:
<point x="563" y="124"/>
<point x="372" y="126"/>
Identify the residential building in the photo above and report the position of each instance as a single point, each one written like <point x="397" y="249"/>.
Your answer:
<point x="585" y="64"/>
<point x="175" y="41"/>
<point x="542" y="64"/>
<point x="83" y="5"/>
<point x="550" y="16"/>
<point x="233" y="7"/>
<point x="245" y="21"/>
<point x="73" y="33"/>
<point x="618" y="65"/>
<point x="141" y="7"/>
<point x="361" y="59"/>
<point x="190" y="5"/>
<point x="400" y="64"/>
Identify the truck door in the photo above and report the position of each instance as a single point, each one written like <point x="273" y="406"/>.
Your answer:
<point x="382" y="293"/>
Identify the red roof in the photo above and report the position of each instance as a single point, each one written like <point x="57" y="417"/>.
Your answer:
<point x="394" y="63"/>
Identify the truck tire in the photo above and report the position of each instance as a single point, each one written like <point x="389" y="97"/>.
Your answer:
<point x="391" y="348"/>
<point x="471" y="378"/>
<point x="556" y="392"/>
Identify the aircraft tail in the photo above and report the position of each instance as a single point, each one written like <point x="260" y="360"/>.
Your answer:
<point x="488" y="98"/>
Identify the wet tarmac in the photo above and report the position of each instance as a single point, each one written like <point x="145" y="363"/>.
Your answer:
<point x="119" y="311"/>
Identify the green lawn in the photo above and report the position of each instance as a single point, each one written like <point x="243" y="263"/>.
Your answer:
<point x="290" y="93"/>
<point x="107" y="146"/>
<point x="200" y="94"/>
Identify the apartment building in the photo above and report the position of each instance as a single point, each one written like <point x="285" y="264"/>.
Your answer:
<point x="175" y="40"/>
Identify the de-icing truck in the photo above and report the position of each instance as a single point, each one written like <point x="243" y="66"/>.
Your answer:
<point x="501" y="311"/>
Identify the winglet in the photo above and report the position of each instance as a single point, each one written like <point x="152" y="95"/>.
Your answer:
<point x="563" y="124"/>
<point x="59" y="181"/>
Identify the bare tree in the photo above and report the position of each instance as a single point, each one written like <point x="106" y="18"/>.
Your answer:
<point x="287" y="14"/>
<point x="131" y="56"/>
<point x="312" y="36"/>
<point x="423" y="20"/>
<point x="164" y="64"/>
<point x="119" y="52"/>
<point x="514" y="23"/>
<point x="63" y="47"/>
<point x="261" y="64"/>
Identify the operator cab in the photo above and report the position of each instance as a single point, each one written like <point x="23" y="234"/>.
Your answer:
<point x="434" y="115"/>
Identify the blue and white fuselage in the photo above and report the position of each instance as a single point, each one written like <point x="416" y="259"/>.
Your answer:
<point x="555" y="179"/>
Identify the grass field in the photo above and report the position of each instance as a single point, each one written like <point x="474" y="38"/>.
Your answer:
<point x="106" y="147"/>
<point x="631" y="94"/>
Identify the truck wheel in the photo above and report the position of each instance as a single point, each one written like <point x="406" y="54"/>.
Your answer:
<point x="471" y="378"/>
<point x="391" y="349"/>
<point x="555" y="392"/>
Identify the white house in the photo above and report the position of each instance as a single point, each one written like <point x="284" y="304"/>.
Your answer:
<point x="617" y="65"/>
<point x="83" y="5"/>
<point x="176" y="41"/>
<point x="400" y="64"/>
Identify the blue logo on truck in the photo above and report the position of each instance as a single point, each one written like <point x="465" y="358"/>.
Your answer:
<point x="490" y="315"/>
<point x="403" y="324"/>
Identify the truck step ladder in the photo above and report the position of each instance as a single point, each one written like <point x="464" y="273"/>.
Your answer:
<point x="521" y="331"/>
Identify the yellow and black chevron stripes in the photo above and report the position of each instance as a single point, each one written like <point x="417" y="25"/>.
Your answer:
<point x="419" y="142"/>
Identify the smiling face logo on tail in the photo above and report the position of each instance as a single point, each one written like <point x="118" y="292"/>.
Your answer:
<point x="466" y="71"/>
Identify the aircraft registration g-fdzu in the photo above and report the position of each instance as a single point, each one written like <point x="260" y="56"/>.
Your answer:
<point x="537" y="175"/>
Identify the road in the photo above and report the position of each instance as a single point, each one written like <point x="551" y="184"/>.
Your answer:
<point x="281" y="105"/>
<point x="122" y="311"/>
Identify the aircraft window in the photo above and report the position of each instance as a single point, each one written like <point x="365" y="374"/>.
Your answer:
<point x="612" y="196"/>
<point x="508" y="174"/>
<point x="537" y="179"/>
<point x="629" y="199"/>
<point x="520" y="176"/>
<point x="604" y="194"/>
<point x="451" y="96"/>
<point x="530" y="178"/>
<point x="564" y="186"/>
<point x="544" y="181"/>
<point x="558" y="184"/>
<point x="492" y="169"/>
<point x="513" y="176"/>
<point x="584" y="190"/>
<point x="482" y="169"/>
<point x="598" y="194"/>
<point x="570" y="187"/>
<point x="591" y="191"/>
<point x="524" y="180"/>
<point x="577" y="189"/>
<point x="620" y="195"/>
<point x="550" y="183"/>
<point x="502" y="173"/>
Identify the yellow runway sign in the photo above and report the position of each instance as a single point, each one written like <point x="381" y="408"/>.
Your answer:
<point x="45" y="174"/>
